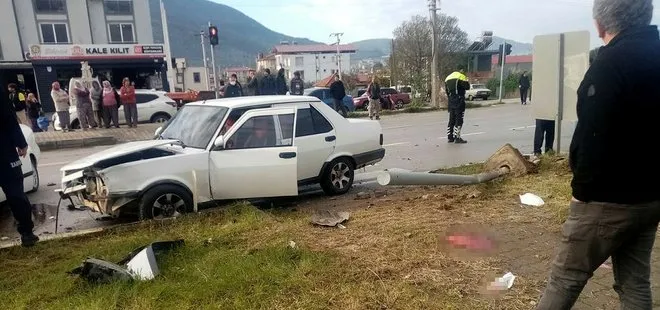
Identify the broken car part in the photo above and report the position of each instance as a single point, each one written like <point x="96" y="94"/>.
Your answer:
<point x="330" y="218"/>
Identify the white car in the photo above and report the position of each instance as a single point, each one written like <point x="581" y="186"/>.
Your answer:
<point x="477" y="91"/>
<point x="29" y="164"/>
<point x="237" y="148"/>
<point x="153" y="106"/>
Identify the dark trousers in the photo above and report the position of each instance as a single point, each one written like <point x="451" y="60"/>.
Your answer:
<point x="131" y="114"/>
<point x="456" y="117"/>
<point x="340" y="107"/>
<point x="110" y="113"/>
<point x="544" y="129"/>
<point x="98" y="115"/>
<point x="11" y="183"/>
<point x="593" y="232"/>
<point x="523" y="95"/>
<point x="35" y="125"/>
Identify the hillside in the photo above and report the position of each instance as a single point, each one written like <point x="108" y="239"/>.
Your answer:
<point x="241" y="37"/>
<point x="517" y="48"/>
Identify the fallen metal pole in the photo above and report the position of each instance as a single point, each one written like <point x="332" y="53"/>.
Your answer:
<point x="400" y="177"/>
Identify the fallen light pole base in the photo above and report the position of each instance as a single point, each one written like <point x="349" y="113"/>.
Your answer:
<point x="507" y="160"/>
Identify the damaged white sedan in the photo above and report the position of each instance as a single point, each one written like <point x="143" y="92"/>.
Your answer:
<point x="249" y="147"/>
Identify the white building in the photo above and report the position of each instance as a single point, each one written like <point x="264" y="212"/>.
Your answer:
<point x="42" y="41"/>
<point x="314" y="62"/>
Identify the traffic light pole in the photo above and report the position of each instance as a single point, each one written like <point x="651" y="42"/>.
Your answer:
<point x="206" y="67"/>
<point x="503" y="55"/>
<point x="215" y="75"/>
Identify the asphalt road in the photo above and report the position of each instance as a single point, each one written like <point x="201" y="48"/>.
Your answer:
<point x="413" y="141"/>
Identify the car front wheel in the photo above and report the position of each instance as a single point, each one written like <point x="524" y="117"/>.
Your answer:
<point x="165" y="201"/>
<point x="338" y="177"/>
<point x="160" y="118"/>
<point x="399" y="104"/>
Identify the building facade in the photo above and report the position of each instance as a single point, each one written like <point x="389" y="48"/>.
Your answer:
<point x="314" y="62"/>
<point x="43" y="41"/>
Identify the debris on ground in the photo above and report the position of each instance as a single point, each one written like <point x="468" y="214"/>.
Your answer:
<point x="607" y="264"/>
<point x="4" y="238"/>
<point x="140" y="264"/>
<point x="330" y="218"/>
<point x="502" y="283"/>
<point x="76" y="208"/>
<point x="292" y="244"/>
<point x="51" y="184"/>
<point x="531" y="200"/>
<point x="362" y="195"/>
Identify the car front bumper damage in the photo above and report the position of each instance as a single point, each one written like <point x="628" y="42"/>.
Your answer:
<point x="89" y="186"/>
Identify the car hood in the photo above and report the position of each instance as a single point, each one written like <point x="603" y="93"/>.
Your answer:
<point x="116" y="151"/>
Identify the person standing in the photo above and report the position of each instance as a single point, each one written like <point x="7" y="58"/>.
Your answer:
<point x="545" y="129"/>
<point x="456" y="84"/>
<point x="13" y="145"/>
<point x="282" y="89"/>
<point x="110" y="103"/>
<point x="373" y="92"/>
<point x="97" y="102"/>
<point x="84" y="107"/>
<point x="62" y="105"/>
<point x="253" y="84"/>
<point x="615" y="208"/>
<point x="338" y="92"/>
<point x="234" y="88"/>
<point x="17" y="100"/>
<point x="267" y="85"/>
<point x="297" y="84"/>
<point x="33" y="108"/>
<point x="523" y="85"/>
<point x="128" y="100"/>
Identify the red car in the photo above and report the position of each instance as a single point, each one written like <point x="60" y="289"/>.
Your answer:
<point x="390" y="99"/>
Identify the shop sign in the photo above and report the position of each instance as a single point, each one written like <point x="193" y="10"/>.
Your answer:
<point x="109" y="51"/>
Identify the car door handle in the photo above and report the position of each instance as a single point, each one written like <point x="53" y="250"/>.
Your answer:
<point x="287" y="155"/>
<point x="330" y="138"/>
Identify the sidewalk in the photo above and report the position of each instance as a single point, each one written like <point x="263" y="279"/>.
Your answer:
<point x="53" y="140"/>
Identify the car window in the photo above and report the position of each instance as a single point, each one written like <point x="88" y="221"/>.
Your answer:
<point x="144" y="98"/>
<point x="260" y="132"/>
<point x="286" y="122"/>
<point x="388" y="91"/>
<point x="234" y="115"/>
<point x="326" y="94"/>
<point x="311" y="122"/>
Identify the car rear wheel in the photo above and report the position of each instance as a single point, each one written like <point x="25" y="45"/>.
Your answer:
<point x="160" y="118"/>
<point x="399" y="104"/>
<point x="338" y="177"/>
<point x="35" y="175"/>
<point x="165" y="201"/>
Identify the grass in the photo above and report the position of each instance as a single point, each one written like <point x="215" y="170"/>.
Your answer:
<point x="389" y="257"/>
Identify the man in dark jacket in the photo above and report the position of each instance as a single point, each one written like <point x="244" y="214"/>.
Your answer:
<point x="297" y="84"/>
<point x="338" y="93"/>
<point x="282" y="89"/>
<point x="267" y="85"/>
<point x="13" y="145"/>
<point x="615" y="207"/>
<point x="456" y="84"/>
<point x="523" y="85"/>
<point x="234" y="88"/>
<point x="17" y="101"/>
<point x="252" y="85"/>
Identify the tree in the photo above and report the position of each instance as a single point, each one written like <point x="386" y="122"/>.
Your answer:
<point x="412" y="53"/>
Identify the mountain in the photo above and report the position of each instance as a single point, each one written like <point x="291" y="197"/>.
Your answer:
<point x="372" y="49"/>
<point x="241" y="37"/>
<point x="517" y="48"/>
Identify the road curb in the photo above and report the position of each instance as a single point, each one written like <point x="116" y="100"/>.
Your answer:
<point x="76" y="143"/>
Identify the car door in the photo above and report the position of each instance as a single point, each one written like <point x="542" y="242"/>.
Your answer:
<point x="315" y="140"/>
<point x="258" y="159"/>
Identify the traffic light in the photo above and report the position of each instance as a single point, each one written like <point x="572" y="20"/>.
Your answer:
<point x="213" y="35"/>
<point x="500" y="52"/>
<point x="508" y="49"/>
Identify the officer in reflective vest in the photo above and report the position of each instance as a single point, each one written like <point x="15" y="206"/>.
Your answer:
<point x="456" y="84"/>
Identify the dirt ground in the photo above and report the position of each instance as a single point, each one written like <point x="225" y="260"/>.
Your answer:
<point x="397" y="234"/>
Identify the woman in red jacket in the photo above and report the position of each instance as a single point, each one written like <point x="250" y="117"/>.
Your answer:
<point x="127" y="94"/>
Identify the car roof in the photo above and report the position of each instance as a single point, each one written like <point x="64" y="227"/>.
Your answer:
<point x="241" y="102"/>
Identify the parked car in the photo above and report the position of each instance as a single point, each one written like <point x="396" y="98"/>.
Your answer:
<point x="477" y="91"/>
<point x="29" y="164"/>
<point x="153" y="107"/>
<point x="236" y="148"/>
<point x="390" y="98"/>
<point x="323" y="94"/>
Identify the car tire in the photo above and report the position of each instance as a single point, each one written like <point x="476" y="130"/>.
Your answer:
<point x="35" y="175"/>
<point x="399" y="104"/>
<point x="160" y="118"/>
<point x="165" y="201"/>
<point x="365" y="106"/>
<point x="337" y="179"/>
<point x="75" y="124"/>
<point x="470" y="98"/>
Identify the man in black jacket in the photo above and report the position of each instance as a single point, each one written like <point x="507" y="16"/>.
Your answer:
<point x="338" y="93"/>
<point x="267" y="84"/>
<point x="297" y="84"/>
<point x="252" y="85"/>
<point x="523" y="85"/>
<point x="456" y="84"/>
<point x="234" y="88"/>
<point x="13" y="145"/>
<point x="615" y="207"/>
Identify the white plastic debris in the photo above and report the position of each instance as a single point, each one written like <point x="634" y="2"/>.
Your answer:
<point x="143" y="266"/>
<point x="531" y="200"/>
<point x="503" y="283"/>
<point x="292" y="244"/>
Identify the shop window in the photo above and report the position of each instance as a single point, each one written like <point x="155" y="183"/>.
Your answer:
<point x="197" y="78"/>
<point x="54" y="33"/>
<point x="121" y="33"/>
<point x="118" y="7"/>
<point x="50" y="6"/>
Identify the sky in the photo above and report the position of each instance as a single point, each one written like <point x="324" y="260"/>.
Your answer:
<point x="518" y="20"/>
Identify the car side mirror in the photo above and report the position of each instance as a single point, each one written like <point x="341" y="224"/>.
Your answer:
<point x="158" y="131"/>
<point x="219" y="143"/>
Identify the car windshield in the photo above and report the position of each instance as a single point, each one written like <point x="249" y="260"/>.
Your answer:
<point x="479" y="86"/>
<point x="194" y="125"/>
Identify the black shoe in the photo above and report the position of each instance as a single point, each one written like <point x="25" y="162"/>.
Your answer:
<point x="460" y="141"/>
<point x="28" y="240"/>
<point x="450" y="140"/>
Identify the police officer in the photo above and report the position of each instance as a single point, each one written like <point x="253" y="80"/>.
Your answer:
<point x="456" y="84"/>
<point x="13" y="145"/>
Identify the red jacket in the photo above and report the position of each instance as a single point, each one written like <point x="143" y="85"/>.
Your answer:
<point x="127" y="95"/>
